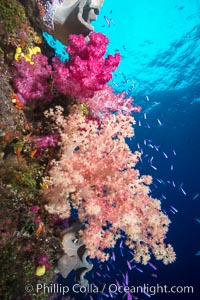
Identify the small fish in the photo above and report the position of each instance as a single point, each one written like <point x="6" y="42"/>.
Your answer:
<point x="121" y="251"/>
<point x="141" y="271"/>
<point x="8" y="137"/>
<point x="180" y="186"/>
<point x="151" y="146"/>
<point x="159" y="122"/>
<point x="129" y="265"/>
<point x="154" y="167"/>
<point x="18" y="153"/>
<point x="174" y="152"/>
<point x="177" y="83"/>
<point x="115" y="83"/>
<point x="148" y="295"/>
<point x="108" y="21"/>
<point x="152" y="266"/>
<point x="40" y="228"/>
<point x="125" y="79"/>
<point x="118" y="284"/>
<point x="126" y="278"/>
<point x="151" y="160"/>
<point x="157" y="147"/>
<point x="145" y="116"/>
<point x="106" y="295"/>
<point x="147" y="98"/>
<point x="113" y="256"/>
<point x="139" y="123"/>
<point x="159" y="180"/>
<point x="172" y="168"/>
<point x="33" y="153"/>
<point x="110" y="293"/>
<point x="183" y="191"/>
<point x="195" y="197"/>
<point x="165" y="155"/>
<point x="174" y="208"/>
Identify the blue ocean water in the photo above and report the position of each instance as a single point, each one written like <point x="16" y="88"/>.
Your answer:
<point x="160" y="44"/>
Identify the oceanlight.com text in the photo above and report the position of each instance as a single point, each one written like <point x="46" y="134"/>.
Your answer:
<point x="109" y="289"/>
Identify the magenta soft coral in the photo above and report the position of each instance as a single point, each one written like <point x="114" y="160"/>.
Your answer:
<point x="87" y="70"/>
<point x="32" y="81"/>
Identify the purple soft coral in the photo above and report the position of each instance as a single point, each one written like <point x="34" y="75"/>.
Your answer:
<point x="45" y="141"/>
<point x="32" y="80"/>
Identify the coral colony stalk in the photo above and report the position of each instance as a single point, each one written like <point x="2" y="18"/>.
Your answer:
<point x="96" y="172"/>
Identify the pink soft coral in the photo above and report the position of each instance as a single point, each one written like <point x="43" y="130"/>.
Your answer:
<point x="96" y="174"/>
<point x="106" y="101"/>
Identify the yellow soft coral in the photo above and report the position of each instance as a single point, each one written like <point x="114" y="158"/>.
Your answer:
<point x="31" y="51"/>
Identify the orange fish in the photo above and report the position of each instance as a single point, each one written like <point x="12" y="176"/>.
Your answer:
<point x="27" y="126"/>
<point x="7" y="137"/>
<point x="15" y="100"/>
<point x="39" y="229"/>
<point x="33" y="153"/>
<point x="18" y="153"/>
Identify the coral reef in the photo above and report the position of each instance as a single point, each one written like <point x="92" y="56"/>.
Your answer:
<point x="63" y="149"/>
